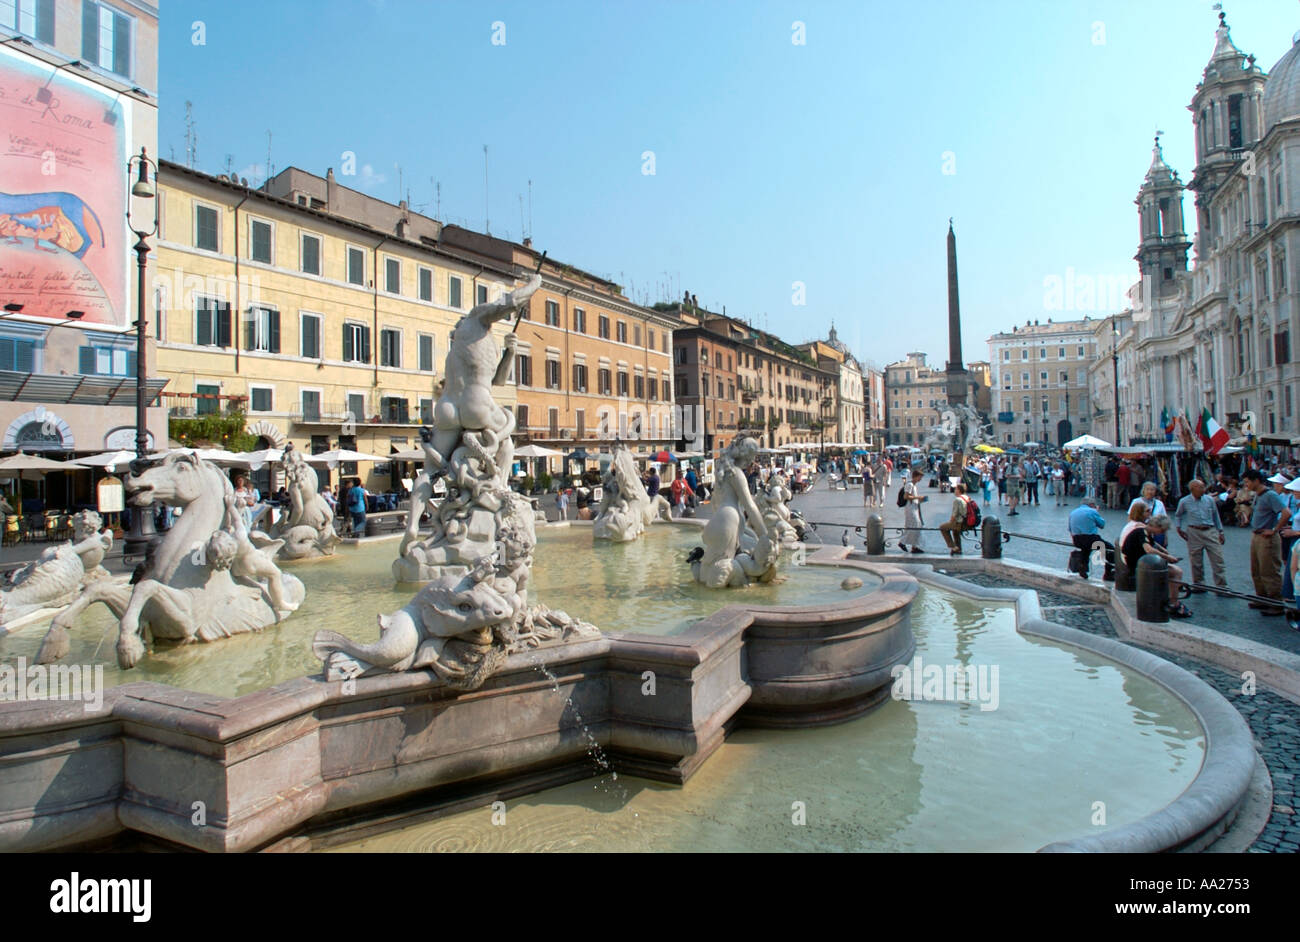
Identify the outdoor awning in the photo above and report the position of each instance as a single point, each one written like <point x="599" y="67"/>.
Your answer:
<point x="51" y="388"/>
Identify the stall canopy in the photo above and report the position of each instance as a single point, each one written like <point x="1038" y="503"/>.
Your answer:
<point x="1156" y="448"/>
<point x="536" y="451"/>
<point x="1086" y="441"/>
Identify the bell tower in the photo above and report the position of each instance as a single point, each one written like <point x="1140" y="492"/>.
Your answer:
<point x="1163" y="243"/>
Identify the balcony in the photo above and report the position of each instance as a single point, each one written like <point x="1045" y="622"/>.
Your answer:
<point x="190" y="405"/>
<point x="1006" y="418"/>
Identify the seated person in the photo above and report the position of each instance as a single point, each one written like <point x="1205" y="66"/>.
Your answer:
<point x="1139" y="542"/>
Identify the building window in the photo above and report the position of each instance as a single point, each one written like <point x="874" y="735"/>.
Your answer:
<point x="579" y="320"/>
<point x="602" y="327"/>
<point x="1065" y="377"/>
<point x="603" y="382"/>
<point x="159" y="310"/>
<point x="1282" y="347"/>
<point x="356" y="413"/>
<point x="91" y="360"/>
<point x="259" y="238"/>
<point x="34" y="18"/>
<point x="426" y="354"/>
<point x="620" y="332"/>
<point x="667" y="393"/>
<point x="311" y="406"/>
<point x="206" y="228"/>
<point x="356" y="266"/>
<point x="622" y="383"/>
<point x="523" y="369"/>
<point x="393" y="275"/>
<point x="262" y="330"/>
<point x="480" y="293"/>
<point x="552" y="313"/>
<point x="453" y="291"/>
<point x="310" y="254"/>
<point x="650" y="338"/>
<point x="260" y="398"/>
<point x="580" y="377"/>
<point x="356" y="343"/>
<point x="309" y="335"/>
<point x="390" y="347"/>
<point x="211" y="322"/>
<point x="426" y="412"/>
<point x="426" y="284"/>
<point x="394" y="409"/>
<point x="638" y="386"/>
<point x="553" y="422"/>
<point x="636" y="335"/>
<point x="552" y="374"/>
<point x="105" y="37"/>
<point x="521" y="417"/>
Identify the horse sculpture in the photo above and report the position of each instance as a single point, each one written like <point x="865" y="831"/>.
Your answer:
<point x="626" y="509"/>
<point x="308" y="530"/>
<point x="203" y="581"/>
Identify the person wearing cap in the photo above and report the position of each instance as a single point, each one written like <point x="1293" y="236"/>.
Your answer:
<point x="1268" y="515"/>
<point x="1198" y="522"/>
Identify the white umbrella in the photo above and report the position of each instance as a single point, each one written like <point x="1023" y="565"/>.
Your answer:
<point x="110" y="460"/>
<point x="410" y="454"/>
<point x="14" y="465"/>
<point x="536" y="451"/>
<point x="256" y="460"/>
<point x="333" y="458"/>
<point x="1086" y="441"/>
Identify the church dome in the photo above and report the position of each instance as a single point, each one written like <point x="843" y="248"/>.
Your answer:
<point x="1282" y="89"/>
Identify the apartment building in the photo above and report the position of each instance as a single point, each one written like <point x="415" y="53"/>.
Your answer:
<point x="1040" y="388"/>
<point x="322" y="313"/>
<point x="848" y="391"/>
<point x="916" y="395"/>
<point x="79" y="81"/>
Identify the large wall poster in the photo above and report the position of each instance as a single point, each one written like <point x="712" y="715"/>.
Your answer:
<point x="63" y="241"/>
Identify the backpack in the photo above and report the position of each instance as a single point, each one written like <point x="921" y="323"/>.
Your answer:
<point x="902" y="496"/>
<point x="972" y="514"/>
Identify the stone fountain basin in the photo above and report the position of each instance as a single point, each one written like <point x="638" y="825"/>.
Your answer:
<point x="278" y="767"/>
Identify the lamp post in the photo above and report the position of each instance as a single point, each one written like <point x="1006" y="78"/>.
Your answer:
<point x="142" y="525"/>
<point x="1044" y="421"/>
<point x="1114" y="362"/>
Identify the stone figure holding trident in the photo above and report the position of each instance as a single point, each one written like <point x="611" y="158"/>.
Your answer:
<point x="474" y="365"/>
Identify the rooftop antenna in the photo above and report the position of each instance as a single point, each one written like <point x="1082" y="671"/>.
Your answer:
<point x="270" y="170"/>
<point x="230" y="165"/>
<point x="530" y="207"/>
<point x="487" y="222"/>
<point x="522" y="230"/>
<point x="437" y="200"/>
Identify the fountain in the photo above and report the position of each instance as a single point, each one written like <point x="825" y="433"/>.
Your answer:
<point x="740" y="546"/>
<point x="308" y="528"/>
<point x="60" y="573"/>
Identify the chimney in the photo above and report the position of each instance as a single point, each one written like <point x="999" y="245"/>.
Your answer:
<point x="528" y="242"/>
<point x="330" y="186"/>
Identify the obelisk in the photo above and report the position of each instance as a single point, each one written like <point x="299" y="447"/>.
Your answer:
<point x="958" y="379"/>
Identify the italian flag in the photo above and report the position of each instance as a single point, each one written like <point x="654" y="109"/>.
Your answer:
<point x="1211" y="433"/>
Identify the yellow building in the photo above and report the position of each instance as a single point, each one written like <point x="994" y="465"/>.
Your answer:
<point x="321" y="312"/>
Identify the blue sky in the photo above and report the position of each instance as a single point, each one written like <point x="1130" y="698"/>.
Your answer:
<point x="774" y="162"/>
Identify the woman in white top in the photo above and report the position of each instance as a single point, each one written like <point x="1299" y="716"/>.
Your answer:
<point x="1155" y="507"/>
<point x="912" y="522"/>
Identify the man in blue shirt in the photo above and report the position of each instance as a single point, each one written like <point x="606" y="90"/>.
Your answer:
<point x="1269" y="515"/>
<point x="356" y="505"/>
<point x="1085" y="531"/>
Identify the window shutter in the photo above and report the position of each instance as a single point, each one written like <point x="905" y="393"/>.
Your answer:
<point x="348" y="330"/>
<point x="365" y="344"/>
<point x="223" y="324"/>
<point x="131" y="361"/>
<point x="250" y="329"/>
<point x="24" y="355"/>
<point x="45" y="21"/>
<point x="275" y="331"/>
<point x="90" y="31"/>
<point x="203" y="322"/>
<point x="86" y="361"/>
<point x="121" y="45"/>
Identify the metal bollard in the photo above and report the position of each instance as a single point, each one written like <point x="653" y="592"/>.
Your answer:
<point x="991" y="537"/>
<point x="875" y="535"/>
<point x="1123" y="577"/>
<point x="1152" y="588"/>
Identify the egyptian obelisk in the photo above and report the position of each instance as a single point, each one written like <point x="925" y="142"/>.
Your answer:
<point x="958" y="378"/>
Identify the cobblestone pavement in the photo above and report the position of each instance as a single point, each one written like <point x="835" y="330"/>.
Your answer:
<point x="1049" y="521"/>
<point x="1274" y="721"/>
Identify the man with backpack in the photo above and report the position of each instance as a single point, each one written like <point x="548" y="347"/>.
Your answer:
<point x="965" y="516"/>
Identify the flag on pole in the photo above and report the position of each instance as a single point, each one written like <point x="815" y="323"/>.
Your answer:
<point x="1214" y="435"/>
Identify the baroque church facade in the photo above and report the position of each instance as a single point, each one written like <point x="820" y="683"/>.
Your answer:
<point x="1220" y="334"/>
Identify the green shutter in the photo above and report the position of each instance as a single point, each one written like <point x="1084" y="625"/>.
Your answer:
<point x="90" y="31"/>
<point x="131" y="361"/>
<point x="275" y="331"/>
<point x="45" y="21"/>
<point x="121" y="45"/>
<point x="86" y="361"/>
<point x="347" y="343"/>
<point x="365" y="344"/>
<point x="223" y="324"/>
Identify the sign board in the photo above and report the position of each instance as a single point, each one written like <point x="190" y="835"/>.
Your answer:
<point x="111" y="495"/>
<point x="123" y="439"/>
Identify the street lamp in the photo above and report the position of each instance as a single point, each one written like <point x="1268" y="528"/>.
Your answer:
<point x="142" y="525"/>
<point x="1044" y="421"/>
<point x="1114" y="362"/>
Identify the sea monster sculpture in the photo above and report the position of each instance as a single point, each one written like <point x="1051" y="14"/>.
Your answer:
<point x="308" y="529"/>
<point x="60" y="573"/>
<point x="625" y="507"/>
<point x="204" y="580"/>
